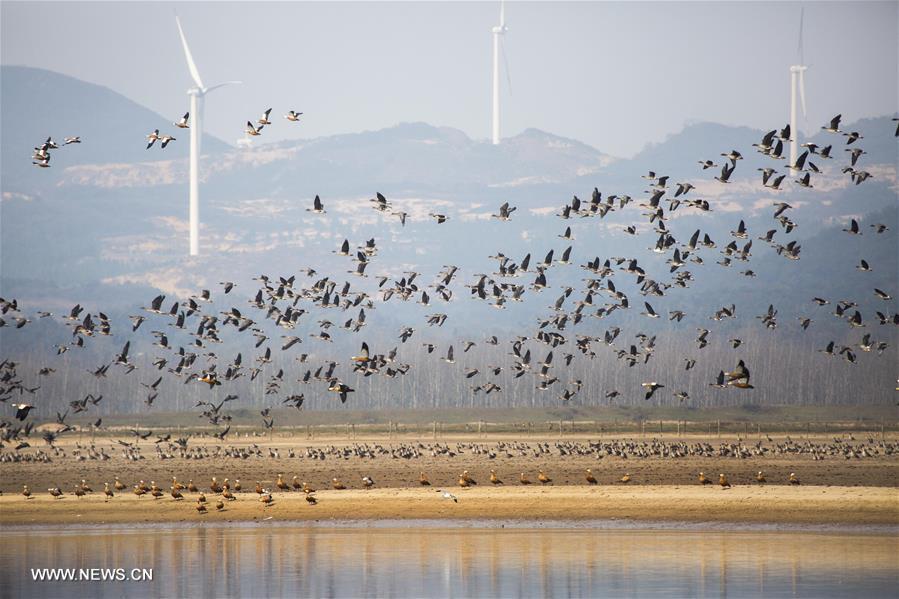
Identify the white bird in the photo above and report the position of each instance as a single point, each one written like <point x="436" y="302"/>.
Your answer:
<point x="293" y="116"/>
<point x="165" y="139"/>
<point x="182" y="124"/>
<point x="264" y="120"/>
<point x="448" y="495"/>
<point x="73" y="140"/>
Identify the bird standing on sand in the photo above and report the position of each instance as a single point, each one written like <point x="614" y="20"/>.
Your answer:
<point x="543" y="478"/>
<point x="722" y="480"/>
<point x="625" y="479"/>
<point x="794" y="480"/>
<point x="591" y="480"/>
<point x="494" y="479"/>
<point x="703" y="479"/>
<point x="423" y="480"/>
<point x="760" y="478"/>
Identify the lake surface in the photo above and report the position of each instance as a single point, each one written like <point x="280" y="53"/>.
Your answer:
<point x="434" y="559"/>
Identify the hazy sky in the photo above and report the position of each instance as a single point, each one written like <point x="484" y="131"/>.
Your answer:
<point x="615" y="75"/>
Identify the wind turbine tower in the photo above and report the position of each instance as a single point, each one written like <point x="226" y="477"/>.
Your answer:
<point x="498" y="32"/>
<point x="796" y="80"/>
<point x="197" y="97"/>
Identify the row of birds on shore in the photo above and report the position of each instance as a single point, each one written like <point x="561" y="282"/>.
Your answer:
<point x="227" y="489"/>
<point x="282" y="301"/>
<point x="167" y="449"/>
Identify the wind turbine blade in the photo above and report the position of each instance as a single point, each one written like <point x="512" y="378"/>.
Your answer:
<point x="801" y="18"/>
<point x="502" y="47"/>
<point x="502" y="13"/>
<point x="218" y="85"/>
<point x="802" y="91"/>
<point x="194" y="73"/>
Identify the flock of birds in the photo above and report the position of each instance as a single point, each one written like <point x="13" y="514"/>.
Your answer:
<point x="282" y="302"/>
<point x="41" y="156"/>
<point x="254" y="129"/>
<point x="226" y="490"/>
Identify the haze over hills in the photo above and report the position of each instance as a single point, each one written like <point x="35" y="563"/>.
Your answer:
<point x="106" y="225"/>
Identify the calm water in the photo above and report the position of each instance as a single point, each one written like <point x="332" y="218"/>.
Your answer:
<point x="428" y="559"/>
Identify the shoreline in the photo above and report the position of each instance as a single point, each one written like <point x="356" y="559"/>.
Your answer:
<point x="775" y="505"/>
<point x="456" y="524"/>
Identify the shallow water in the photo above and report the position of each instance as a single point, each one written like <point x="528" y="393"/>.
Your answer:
<point x="428" y="559"/>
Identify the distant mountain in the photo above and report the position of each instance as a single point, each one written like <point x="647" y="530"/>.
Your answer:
<point x="114" y="211"/>
<point x="39" y="103"/>
<point x="406" y="158"/>
<point x="681" y="151"/>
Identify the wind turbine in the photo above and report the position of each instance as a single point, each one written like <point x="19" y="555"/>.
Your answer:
<point x="796" y="77"/>
<point x="197" y="95"/>
<point x="498" y="31"/>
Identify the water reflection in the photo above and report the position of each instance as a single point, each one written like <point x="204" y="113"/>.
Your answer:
<point x="272" y="560"/>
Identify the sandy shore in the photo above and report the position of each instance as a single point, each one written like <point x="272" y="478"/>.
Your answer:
<point x="745" y="504"/>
